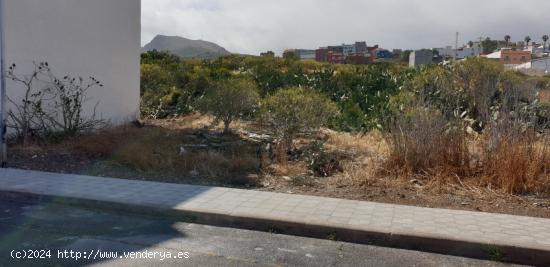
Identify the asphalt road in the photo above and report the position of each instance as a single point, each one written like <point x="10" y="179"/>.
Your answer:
<point x="59" y="234"/>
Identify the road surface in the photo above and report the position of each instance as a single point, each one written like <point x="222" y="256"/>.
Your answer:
<point x="59" y="235"/>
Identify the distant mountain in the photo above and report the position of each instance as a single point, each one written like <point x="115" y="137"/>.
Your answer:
<point x="185" y="47"/>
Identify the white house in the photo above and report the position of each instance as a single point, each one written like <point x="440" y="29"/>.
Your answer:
<point x="495" y="55"/>
<point x="99" y="38"/>
<point x="461" y="53"/>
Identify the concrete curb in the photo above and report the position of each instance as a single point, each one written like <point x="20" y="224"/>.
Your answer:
<point x="426" y="243"/>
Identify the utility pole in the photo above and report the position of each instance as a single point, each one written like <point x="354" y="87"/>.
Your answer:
<point x="3" y="128"/>
<point x="455" y="54"/>
<point x="481" y="44"/>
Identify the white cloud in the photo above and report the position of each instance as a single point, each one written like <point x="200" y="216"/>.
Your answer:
<point x="252" y="26"/>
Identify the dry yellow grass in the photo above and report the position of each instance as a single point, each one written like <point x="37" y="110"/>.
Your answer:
<point x="105" y="142"/>
<point x="511" y="168"/>
<point x="193" y="121"/>
<point x="518" y="167"/>
<point x="198" y="121"/>
<point x="365" y="153"/>
<point x="368" y="144"/>
<point x="158" y="150"/>
<point x="358" y="172"/>
<point x="290" y="169"/>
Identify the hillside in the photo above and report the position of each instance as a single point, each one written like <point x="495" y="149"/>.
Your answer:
<point x="185" y="47"/>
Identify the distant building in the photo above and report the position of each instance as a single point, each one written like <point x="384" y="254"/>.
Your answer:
<point x="383" y="54"/>
<point x="300" y="54"/>
<point x="358" y="59"/>
<point x="461" y="53"/>
<point x="336" y="49"/>
<point x="321" y="54"/>
<point x="514" y="57"/>
<point x="361" y="47"/>
<point x="421" y="57"/>
<point x="290" y="54"/>
<point x="348" y="49"/>
<point x="268" y="54"/>
<point x="305" y="54"/>
<point x="540" y="66"/>
<point x="336" y="57"/>
<point x="494" y="56"/>
<point x="536" y="49"/>
<point x="358" y="53"/>
<point x="510" y="57"/>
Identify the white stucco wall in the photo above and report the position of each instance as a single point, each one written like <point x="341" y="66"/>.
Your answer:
<point x="99" y="38"/>
<point x="462" y="53"/>
<point x="538" y="66"/>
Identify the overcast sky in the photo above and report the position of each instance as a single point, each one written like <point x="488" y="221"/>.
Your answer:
<point x="253" y="26"/>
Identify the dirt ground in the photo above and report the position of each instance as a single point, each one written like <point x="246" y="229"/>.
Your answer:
<point x="357" y="179"/>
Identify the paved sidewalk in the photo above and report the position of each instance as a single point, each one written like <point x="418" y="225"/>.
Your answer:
<point x="476" y="234"/>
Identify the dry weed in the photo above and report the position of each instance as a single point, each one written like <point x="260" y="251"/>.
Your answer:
<point x="356" y="144"/>
<point x="518" y="167"/>
<point x="103" y="143"/>
<point x="426" y="143"/>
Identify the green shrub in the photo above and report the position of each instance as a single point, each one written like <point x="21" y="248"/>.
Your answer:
<point x="229" y="100"/>
<point x="292" y="111"/>
<point x="351" y="118"/>
<point x="170" y="85"/>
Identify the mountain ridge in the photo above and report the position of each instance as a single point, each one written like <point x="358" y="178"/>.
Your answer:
<point x="185" y="48"/>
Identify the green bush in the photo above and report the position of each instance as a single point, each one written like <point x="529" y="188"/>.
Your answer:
<point x="230" y="100"/>
<point x="292" y="111"/>
<point x="170" y="85"/>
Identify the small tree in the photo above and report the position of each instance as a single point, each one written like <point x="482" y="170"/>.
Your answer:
<point x="229" y="100"/>
<point x="507" y="38"/>
<point x="297" y="110"/>
<point x="489" y="46"/>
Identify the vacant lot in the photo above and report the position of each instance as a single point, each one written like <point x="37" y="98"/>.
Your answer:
<point x="332" y="164"/>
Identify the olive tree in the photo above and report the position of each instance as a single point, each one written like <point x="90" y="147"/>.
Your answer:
<point x="292" y="111"/>
<point x="229" y="100"/>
